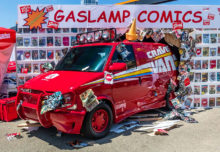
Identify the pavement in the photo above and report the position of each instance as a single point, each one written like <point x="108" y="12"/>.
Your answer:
<point x="196" y="137"/>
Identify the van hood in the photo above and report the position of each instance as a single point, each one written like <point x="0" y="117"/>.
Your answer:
<point x="63" y="81"/>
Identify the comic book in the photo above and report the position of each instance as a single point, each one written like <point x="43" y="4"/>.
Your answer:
<point x="49" y="41"/>
<point x="198" y="38"/>
<point x="198" y="51"/>
<point x="73" y="40"/>
<point x="219" y="38"/>
<point x="26" y="30"/>
<point x="213" y="38"/>
<point x="205" y="64"/>
<point x="36" y="68"/>
<point x="212" y="89"/>
<point x="218" y="64"/>
<point x="197" y="64"/>
<point x="191" y="76"/>
<point x="205" y="38"/>
<point x="66" y="30"/>
<point x="57" y="41"/>
<point x="218" y="101"/>
<point x="57" y="30"/>
<point x="196" y="102"/>
<point x="197" y="90"/>
<point x="219" y="51"/>
<point x="50" y="54"/>
<point x="74" y="30"/>
<point x="204" y="89"/>
<point x="27" y="41"/>
<point x="205" y="51"/>
<point x="28" y="67"/>
<point x="42" y="30"/>
<point x="19" y="41"/>
<point x="66" y="41"/>
<point x="204" y="77"/>
<point x="34" y="30"/>
<point x="212" y="76"/>
<point x="218" y="89"/>
<point x="35" y="55"/>
<point x="212" y="64"/>
<point x="42" y="41"/>
<point x="34" y="41"/>
<point x="19" y="67"/>
<point x="218" y="76"/>
<point x="49" y="30"/>
<point x="198" y="77"/>
<point x="204" y="102"/>
<point x="20" y="55"/>
<point x="58" y="55"/>
<point x="27" y="54"/>
<point x="211" y="102"/>
<point x="42" y="54"/>
<point x="213" y="51"/>
<point x="20" y="80"/>
<point x="19" y="30"/>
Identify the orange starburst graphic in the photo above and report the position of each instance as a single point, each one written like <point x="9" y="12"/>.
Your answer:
<point x="35" y="19"/>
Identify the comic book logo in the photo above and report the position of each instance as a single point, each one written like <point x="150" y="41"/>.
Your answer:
<point x="52" y="24"/>
<point x="36" y="18"/>
<point x="177" y="25"/>
<point x="25" y="9"/>
<point x="206" y="22"/>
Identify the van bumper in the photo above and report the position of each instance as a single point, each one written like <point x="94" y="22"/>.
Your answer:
<point x="68" y="122"/>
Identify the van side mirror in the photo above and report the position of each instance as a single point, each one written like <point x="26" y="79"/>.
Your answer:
<point x="118" y="67"/>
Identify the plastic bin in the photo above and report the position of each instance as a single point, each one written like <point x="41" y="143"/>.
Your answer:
<point x="8" y="109"/>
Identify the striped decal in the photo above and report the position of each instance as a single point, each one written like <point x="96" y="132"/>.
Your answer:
<point x="163" y="55"/>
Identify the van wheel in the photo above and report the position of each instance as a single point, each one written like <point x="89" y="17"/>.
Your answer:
<point x="98" y="122"/>
<point x="169" y="97"/>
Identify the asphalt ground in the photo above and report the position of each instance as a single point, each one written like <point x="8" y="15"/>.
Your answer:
<point x="196" y="137"/>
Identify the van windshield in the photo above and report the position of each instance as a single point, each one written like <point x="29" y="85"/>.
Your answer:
<point x="90" y="59"/>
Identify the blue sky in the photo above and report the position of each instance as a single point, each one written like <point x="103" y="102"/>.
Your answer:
<point x="8" y="8"/>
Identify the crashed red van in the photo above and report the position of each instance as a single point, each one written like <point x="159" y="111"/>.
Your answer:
<point x="101" y="83"/>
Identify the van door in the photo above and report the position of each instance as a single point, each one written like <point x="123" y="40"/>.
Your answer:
<point x="126" y="88"/>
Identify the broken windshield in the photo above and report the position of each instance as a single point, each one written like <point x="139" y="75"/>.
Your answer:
<point x="90" y="59"/>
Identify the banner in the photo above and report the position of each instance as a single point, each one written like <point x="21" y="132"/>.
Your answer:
<point x="118" y="16"/>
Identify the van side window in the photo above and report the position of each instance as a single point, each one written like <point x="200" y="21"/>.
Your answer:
<point x="124" y="54"/>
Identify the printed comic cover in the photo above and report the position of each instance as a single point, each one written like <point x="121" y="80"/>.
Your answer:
<point x="20" y="80"/>
<point x="50" y="54"/>
<point x="205" y="51"/>
<point x="219" y="51"/>
<point x="213" y="51"/>
<point x="212" y="89"/>
<point x="42" y="41"/>
<point x="49" y="30"/>
<point x="28" y="67"/>
<point x="27" y="54"/>
<point x="19" y="41"/>
<point x="57" y="41"/>
<point x="191" y="76"/>
<point x="218" y="76"/>
<point x="198" y="77"/>
<point x="20" y="55"/>
<point x="204" y="77"/>
<point x="204" y="89"/>
<point x="213" y="37"/>
<point x="35" y="55"/>
<point x="26" y="30"/>
<point x="212" y="76"/>
<point x="66" y="30"/>
<point x="197" y="64"/>
<point x="73" y="40"/>
<point x="219" y="38"/>
<point x="198" y="38"/>
<point x="205" y="64"/>
<point x="19" y="67"/>
<point x="218" y="89"/>
<point x="204" y="102"/>
<point x="197" y="90"/>
<point x="49" y="41"/>
<point x="218" y="101"/>
<point x="58" y="55"/>
<point x="36" y="68"/>
<point x="57" y="30"/>
<point x="34" y="41"/>
<point x="42" y="54"/>
<point x="212" y="64"/>
<point x="211" y="102"/>
<point x="218" y="64"/>
<point x="205" y="38"/>
<point x="66" y="41"/>
<point x="42" y="30"/>
<point x="27" y="41"/>
<point x="196" y="102"/>
<point x="74" y="30"/>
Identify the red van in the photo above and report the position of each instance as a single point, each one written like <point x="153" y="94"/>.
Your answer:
<point x="101" y="83"/>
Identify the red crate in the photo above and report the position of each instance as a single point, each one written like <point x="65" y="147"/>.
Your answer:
<point x="8" y="109"/>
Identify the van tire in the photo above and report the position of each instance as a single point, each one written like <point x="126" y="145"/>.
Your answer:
<point x="103" y="114"/>
<point x="169" y="105"/>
